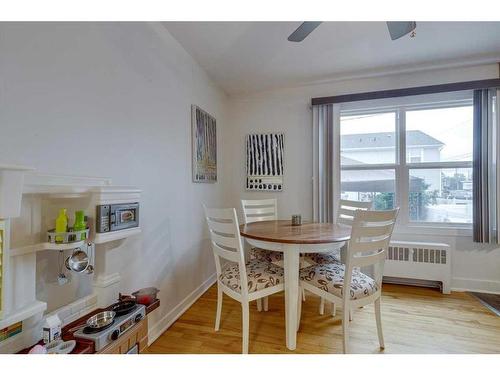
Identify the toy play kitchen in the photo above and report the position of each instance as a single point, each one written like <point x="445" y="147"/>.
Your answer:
<point x="120" y="328"/>
<point x="42" y="215"/>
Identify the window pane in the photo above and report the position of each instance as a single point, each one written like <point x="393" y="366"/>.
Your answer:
<point x="443" y="134"/>
<point x="376" y="186"/>
<point x="441" y="195"/>
<point x="368" y="139"/>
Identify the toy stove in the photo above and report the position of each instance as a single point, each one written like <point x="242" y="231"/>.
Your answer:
<point x="121" y="324"/>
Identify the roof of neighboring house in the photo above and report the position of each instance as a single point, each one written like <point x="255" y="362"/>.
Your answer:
<point x="349" y="161"/>
<point x="386" y="139"/>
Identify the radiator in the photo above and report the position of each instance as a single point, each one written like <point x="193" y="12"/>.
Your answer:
<point x="419" y="263"/>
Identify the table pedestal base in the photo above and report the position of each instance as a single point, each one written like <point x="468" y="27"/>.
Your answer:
<point x="291" y="265"/>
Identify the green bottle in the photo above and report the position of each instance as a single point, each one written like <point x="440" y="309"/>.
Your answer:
<point x="61" y="224"/>
<point x="80" y="223"/>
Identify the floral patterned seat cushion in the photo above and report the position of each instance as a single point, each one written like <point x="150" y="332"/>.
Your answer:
<point x="274" y="257"/>
<point x="330" y="278"/>
<point x="322" y="258"/>
<point x="260" y="275"/>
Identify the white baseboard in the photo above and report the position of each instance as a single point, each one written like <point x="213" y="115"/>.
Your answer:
<point x="461" y="284"/>
<point x="169" y="318"/>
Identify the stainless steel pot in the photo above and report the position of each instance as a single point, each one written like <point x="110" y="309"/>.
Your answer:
<point x="78" y="261"/>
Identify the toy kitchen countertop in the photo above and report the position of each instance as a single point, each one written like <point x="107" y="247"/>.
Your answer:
<point x="127" y="333"/>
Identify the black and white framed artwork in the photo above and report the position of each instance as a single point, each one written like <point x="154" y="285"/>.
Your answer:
<point x="264" y="162"/>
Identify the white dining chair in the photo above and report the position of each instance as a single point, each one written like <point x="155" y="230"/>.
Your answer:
<point x="345" y="216"/>
<point x="345" y="284"/>
<point x="261" y="210"/>
<point x="240" y="280"/>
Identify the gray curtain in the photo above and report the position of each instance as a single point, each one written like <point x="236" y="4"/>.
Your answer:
<point x="326" y="154"/>
<point x="485" y="158"/>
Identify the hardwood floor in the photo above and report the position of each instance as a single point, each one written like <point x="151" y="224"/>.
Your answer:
<point x="415" y="320"/>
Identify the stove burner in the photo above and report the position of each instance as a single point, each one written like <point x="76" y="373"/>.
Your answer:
<point x="123" y="307"/>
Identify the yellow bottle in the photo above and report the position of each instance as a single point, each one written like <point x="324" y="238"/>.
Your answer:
<point x="61" y="224"/>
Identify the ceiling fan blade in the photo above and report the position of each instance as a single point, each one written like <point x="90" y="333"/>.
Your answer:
<point x="303" y="31"/>
<point x="399" y="29"/>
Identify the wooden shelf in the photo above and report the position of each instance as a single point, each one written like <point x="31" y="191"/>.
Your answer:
<point x="58" y="192"/>
<point x="113" y="236"/>
<point x="45" y="246"/>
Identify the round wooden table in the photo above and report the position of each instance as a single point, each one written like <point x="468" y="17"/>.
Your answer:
<point x="281" y="235"/>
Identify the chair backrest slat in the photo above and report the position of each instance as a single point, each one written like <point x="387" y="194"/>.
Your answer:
<point x="231" y="243"/>
<point x="221" y="227"/>
<point x="264" y="211"/>
<point x="367" y="260"/>
<point x="347" y="209"/>
<point x="378" y="231"/>
<point x="232" y="256"/>
<point x="368" y="246"/>
<point x="376" y="217"/>
<point x="259" y="210"/>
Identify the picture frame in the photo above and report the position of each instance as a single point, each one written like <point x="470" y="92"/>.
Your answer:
<point x="204" y="146"/>
<point x="265" y="161"/>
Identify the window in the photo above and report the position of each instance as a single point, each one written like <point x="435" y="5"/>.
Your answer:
<point x="374" y="185"/>
<point x="441" y="134"/>
<point x="441" y="195"/>
<point x="368" y="139"/>
<point x="415" y="156"/>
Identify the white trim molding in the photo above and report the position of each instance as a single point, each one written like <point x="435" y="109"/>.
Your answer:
<point x="171" y="316"/>
<point x="462" y="284"/>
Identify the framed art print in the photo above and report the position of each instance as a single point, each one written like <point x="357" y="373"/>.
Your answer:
<point x="264" y="162"/>
<point x="204" y="140"/>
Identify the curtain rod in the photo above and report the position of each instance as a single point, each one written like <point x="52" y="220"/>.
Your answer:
<point x="422" y="90"/>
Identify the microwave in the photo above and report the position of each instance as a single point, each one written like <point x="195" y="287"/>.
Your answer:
<point x="113" y="217"/>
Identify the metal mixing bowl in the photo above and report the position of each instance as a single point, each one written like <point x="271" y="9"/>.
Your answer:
<point x="102" y="319"/>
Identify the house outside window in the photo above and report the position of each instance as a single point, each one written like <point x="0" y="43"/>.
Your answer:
<point x="417" y="157"/>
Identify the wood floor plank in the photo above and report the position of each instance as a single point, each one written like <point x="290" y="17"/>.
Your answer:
<point x="415" y="320"/>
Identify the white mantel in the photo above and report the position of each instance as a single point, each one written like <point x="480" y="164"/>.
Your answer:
<point x="11" y="185"/>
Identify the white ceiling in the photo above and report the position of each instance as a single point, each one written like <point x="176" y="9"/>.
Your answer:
<point x="252" y="56"/>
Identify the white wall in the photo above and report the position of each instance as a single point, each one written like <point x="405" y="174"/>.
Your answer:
<point x="114" y="100"/>
<point x="288" y="110"/>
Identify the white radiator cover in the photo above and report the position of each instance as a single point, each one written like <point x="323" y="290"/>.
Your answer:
<point x="420" y="261"/>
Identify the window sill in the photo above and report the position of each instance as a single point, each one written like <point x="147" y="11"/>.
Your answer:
<point x="435" y="229"/>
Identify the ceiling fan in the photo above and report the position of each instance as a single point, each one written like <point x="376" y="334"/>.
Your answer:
<point x="396" y="30"/>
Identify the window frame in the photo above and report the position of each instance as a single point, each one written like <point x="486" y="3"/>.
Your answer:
<point x="402" y="167"/>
